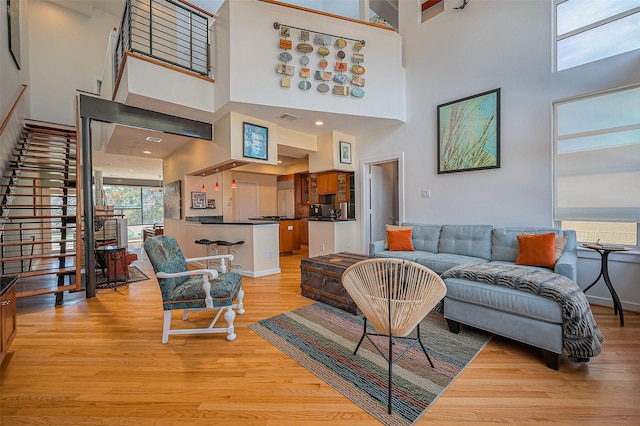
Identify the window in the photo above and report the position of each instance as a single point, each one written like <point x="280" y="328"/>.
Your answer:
<point x="588" y="30"/>
<point x="140" y="205"/>
<point x="597" y="165"/>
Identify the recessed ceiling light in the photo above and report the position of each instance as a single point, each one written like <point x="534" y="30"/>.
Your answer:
<point x="279" y="161"/>
<point x="154" y="139"/>
<point x="319" y="123"/>
<point x="146" y="152"/>
<point x="130" y="170"/>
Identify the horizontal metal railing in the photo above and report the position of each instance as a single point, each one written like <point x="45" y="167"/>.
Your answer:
<point x="166" y="30"/>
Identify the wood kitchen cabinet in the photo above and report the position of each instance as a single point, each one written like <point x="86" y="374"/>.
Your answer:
<point x="7" y="314"/>
<point x="342" y="190"/>
<point x="289" y="235"/>
<point x="327" y="183"/>
<point x="314" y="198"/>
<point x="304" y="231"/>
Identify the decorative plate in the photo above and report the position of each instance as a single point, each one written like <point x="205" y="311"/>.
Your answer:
<point x="323" y="87"/>
<point x="304" y="85"/>
<point x="357" y="92"/>
<point x="323" y="51"/>
<point x="285" y="56"/>
<point x="358" y="46"/>
<point x="304" y="48"/>
<point x="358" y="69"/>
<point x="304" y="60"/>
<point x="323" y="64"/>
<point x="341" y="54"/>
<point x="341" y="43"/>
<point x="341" y="78"/>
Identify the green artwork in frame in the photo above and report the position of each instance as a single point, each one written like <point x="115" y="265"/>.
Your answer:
<point x="469" y="133"/>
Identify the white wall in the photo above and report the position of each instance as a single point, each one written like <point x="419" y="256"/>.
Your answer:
<point x="11" y="83"/>
<point x="246" y="61"/>
<point x="491" y="44"/>
<point x="67" y="53"/>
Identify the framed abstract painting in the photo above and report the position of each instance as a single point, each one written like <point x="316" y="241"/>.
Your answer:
<point x="469" y="133"/>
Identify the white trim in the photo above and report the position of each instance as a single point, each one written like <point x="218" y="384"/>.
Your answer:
<point x="362" y="182"/>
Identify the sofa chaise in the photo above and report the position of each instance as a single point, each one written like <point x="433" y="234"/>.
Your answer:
<point x="470" y="252"/>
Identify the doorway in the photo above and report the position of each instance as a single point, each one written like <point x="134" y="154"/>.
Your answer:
<point x="382" y="196"/>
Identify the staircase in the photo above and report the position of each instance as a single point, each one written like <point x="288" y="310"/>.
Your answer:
<point x="39" y="227"/>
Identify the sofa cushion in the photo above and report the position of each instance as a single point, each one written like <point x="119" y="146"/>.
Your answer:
<point x="407" y="255"/>
<point x="440" y="262"/>
<point x="504" y="299"/>
<point x="504" y="241"/>
<point x="424" y="237"/>
<point x="466" y="240"/>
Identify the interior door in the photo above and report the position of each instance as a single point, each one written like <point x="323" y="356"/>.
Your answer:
<point x="246" y="200"/>
<point x="383" y="199"/>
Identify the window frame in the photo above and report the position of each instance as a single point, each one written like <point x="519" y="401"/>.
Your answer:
<point x="555" y="140"/>
<point x="558" y="38"/>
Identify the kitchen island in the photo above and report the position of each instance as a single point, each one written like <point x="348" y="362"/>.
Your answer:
<point x="258" y="256"/>
<point x="332" y="236"/>
<point x="289" y="231"/>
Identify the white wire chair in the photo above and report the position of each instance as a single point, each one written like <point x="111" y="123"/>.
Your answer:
<point x="394" y="295"/>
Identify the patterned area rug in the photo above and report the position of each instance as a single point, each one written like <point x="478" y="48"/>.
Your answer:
<point x="322" y="339"/>
<point x="135" y="274"/>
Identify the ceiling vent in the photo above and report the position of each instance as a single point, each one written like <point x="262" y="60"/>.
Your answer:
<point x="288" y="117"/>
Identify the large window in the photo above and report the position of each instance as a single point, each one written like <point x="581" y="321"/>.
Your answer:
<point x="597" y="165"/>
<point x="140" y="205"/>
<point x="588" y="30"/>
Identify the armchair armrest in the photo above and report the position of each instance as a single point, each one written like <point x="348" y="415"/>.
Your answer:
<point x="206" y="285"/>
<point x="220" y="257"/>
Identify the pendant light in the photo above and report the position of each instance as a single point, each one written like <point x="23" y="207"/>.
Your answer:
<point x="203" y="189"/>
<point x="217" y="187"/>
<point x="234" y="185"/>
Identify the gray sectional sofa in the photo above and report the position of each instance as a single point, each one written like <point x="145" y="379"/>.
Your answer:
<point x="518" y="315"/>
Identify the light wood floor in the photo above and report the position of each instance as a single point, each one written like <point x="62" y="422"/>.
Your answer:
<point x="100" y="361"/>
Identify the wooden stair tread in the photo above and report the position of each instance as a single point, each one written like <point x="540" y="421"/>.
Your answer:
<point x="43" y="228"/>
<point x="36" y="242"/>
<point x="38" y="206"/>
<point x="40" y="178"/>
<point x="39" y="217"/>
<point x="29" y="293"/>
<point x="39" y="256"/>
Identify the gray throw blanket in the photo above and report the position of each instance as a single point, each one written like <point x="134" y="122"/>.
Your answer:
<point x="582" y="338"/>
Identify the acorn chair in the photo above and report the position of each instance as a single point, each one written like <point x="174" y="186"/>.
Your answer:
<point x="194" y="290"/>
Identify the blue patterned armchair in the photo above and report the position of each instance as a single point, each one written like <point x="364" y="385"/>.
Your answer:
<point x="194" y="290"/>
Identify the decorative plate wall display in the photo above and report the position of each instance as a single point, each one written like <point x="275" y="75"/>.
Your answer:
<point x="340" y="75"/>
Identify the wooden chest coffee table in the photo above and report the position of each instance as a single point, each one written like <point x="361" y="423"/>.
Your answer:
<point x="321" y="279"/>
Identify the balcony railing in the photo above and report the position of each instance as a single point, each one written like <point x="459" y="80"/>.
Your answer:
<point x="166" y="30"/>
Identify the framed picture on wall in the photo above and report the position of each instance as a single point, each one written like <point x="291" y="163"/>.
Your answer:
<point x="13" y="12"/>
<point x="255" y="141"/>
<point x="345" y="152"/>
<point x="469" y="133"/>
<point x="199" y="200"/>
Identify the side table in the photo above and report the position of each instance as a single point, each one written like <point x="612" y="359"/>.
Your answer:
<point x="111" y="255"/>
<point x="604" y="251"/>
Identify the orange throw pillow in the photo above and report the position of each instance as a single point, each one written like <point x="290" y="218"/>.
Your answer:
<point x="393" y="228"/>
<point x="400" y="240"/>
<point x="536" y="250"/>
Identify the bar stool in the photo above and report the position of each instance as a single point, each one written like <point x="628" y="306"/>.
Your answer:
<point x="206" y="243"/>
<point x="229" y="245"/>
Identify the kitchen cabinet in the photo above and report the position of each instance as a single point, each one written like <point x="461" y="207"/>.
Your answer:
<point x="289" y="235"/>
<point x="7" y="314"/>
<point x="304" y="231"/>
<point x="314" y="198"/>
<point x="327" y="183"/>
<point x="342" y="190"/>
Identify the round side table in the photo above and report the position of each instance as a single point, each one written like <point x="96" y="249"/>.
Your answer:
<point x="604" y="251"/>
